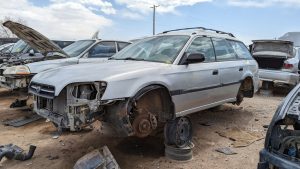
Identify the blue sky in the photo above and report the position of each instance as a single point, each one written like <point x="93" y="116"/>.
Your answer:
<point x="129" y="19"/>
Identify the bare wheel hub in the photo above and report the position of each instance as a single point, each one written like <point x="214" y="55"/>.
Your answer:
<point x="144" y="124"/>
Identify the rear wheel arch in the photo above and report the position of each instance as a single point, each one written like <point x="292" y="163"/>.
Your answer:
<point x="247" y="86"/>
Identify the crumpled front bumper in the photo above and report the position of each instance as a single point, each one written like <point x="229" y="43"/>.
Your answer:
<point x="13" y="83"/>
<point x="278" y="76"/>
<point x="268" y="160"/>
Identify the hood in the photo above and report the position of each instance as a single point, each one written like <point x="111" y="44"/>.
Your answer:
<point x="111" y="70"/>
<point x="35" y="39"/>
<point x="38" y="67"/>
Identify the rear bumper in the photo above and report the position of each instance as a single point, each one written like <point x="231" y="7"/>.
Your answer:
<point x="268" y="160"/>
<point x="278" y="76"/>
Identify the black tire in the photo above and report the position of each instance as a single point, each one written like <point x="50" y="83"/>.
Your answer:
<point x="179" y="154"/>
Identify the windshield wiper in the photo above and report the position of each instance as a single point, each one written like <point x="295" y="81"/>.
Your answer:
<point x="127" y="58"/>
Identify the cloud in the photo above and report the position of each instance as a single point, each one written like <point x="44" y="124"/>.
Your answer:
<point x="130" y="15"/>
<point x="105" y="6"/>
<point x="59" y="20"/>
<point x="264" y="3"/>
<point x="165" y="6"/>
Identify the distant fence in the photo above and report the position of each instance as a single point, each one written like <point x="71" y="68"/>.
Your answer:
<point x="8" y="40"/>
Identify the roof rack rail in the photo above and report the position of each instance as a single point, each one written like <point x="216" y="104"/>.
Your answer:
<point x="202" y="28"/>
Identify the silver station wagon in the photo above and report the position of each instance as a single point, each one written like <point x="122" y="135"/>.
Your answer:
<point x="154" y="82"/>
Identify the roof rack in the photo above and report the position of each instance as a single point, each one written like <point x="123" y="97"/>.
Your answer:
<point x="202" y="28"/>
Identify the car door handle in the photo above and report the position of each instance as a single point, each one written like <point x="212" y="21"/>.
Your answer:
<point x="241" y="69"/>
<point x="215" y="72"/>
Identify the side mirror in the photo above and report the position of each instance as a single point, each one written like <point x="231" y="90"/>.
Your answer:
<point x="31" y="52"/>
<point x="195" y="58"/>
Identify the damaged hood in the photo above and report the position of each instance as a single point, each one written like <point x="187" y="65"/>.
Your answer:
<point x="110" y="70"/>
<point x="35" y="39"/>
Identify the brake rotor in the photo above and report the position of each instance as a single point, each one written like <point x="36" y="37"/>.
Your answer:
<point x="144" y="124"/>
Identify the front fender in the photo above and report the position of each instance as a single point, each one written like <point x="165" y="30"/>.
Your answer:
<point x="130" y="87"/>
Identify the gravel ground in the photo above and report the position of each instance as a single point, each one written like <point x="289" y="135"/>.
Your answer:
<point x="131" y="153"/>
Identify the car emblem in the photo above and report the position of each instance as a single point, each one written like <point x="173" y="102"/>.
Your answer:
<point x="38" y="89"/>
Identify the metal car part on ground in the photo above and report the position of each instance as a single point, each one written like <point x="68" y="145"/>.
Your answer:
<point x="97" y="159"/>
<point x="13" y="152"/>
<point x="282" y="143"/>
<point x="277" y="60"/>
<point x="153" y="82"/>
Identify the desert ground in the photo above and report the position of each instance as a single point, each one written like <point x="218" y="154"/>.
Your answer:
<point x="64" y="151"/>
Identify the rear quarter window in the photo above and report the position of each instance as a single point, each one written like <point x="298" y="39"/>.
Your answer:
<point x="240" y="49"/>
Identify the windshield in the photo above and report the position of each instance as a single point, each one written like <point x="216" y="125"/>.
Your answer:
<point x="19" y="47"/>
<point x="76" y="48"/>
<point x="156" y="49"/>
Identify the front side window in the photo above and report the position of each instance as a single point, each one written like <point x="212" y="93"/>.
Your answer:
<point x="102" y="50"/>
<point x="122" y="45"/>
<point x="202" y="45"/>
<point x="223" y="50"/>
<point x="163" y="49"/>
<point x="241" y="50"/>
<point x="76" y="48"/>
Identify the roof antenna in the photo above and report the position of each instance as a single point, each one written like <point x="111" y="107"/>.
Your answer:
<point x="95" y="35"/>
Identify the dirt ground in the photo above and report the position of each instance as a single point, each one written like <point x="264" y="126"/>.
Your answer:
<point x="131" y="153"/>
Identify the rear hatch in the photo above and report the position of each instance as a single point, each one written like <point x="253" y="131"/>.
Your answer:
<point x="272" y="54"/>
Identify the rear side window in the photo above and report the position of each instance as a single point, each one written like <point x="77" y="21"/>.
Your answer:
<point x="241" y="50"/>
<point x="223" y="50"/>
<point x="204" y="46"/>
<point x="122" y="45"/>
<point x="102" y="50"/>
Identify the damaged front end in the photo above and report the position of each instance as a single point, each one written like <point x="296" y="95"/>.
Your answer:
<point x="77" y="105"/>
<point x="15" y="77"/>
<point x="282" y="145"/>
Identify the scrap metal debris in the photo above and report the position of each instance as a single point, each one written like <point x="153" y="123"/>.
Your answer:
<point x="11" y="151"/>
<point x="97" y="159"/>
<point x="240" y="137"/>
<point x="19" y="103"/>
<point x="22" y="121"/>
<point x="225" y="150"/>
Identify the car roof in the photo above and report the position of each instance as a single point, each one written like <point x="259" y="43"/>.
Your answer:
<point x="196" y="31"/>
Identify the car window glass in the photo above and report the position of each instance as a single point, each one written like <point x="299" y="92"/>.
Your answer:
<point x="122" y="45"/>
<point x="223" y="50"/>
<point x="163" y="49"/>
<point x="102" y="50"/>
<point x="241" y="50"/>
<point x="204" y="46"/>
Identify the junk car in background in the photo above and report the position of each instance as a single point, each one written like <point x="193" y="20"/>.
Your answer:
<point x="282" y="143"/>
<point x="277" y="60"/>
<point x="16" y="75"/>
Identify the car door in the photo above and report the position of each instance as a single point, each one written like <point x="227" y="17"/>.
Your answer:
<point x="99" y="52"/>
<point x="231" y="69"/>
<point x="199" y="81"/>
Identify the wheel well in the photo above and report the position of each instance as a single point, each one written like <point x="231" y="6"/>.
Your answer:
<point x="168" y="111"/>
<point x="247" y="87"/>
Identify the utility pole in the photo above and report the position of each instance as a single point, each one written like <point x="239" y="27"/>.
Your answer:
<point x="154" y="10"/>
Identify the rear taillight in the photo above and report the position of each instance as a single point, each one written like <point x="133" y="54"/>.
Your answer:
<point x="288" y="66"/>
